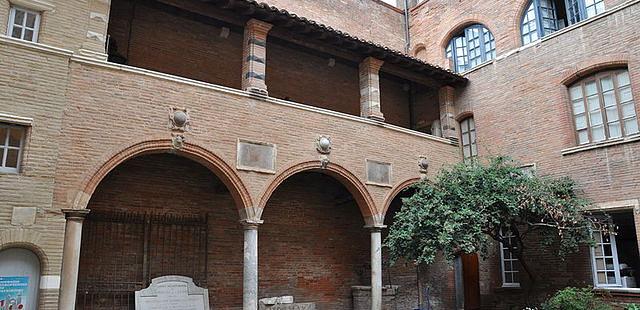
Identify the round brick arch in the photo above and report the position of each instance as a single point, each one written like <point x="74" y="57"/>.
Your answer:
<point x="395" y="191"/>
<point x="342" y="175"/>
<point x="194" y="152"/>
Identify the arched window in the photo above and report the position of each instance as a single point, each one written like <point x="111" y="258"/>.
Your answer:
<point x="19" y="279"/>
<point x="471" y="47"/>
<point x="543" y="17"/>
<point x="603" y="107"/>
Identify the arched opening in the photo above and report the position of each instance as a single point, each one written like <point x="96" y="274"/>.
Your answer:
<point x="155" y="215"/>
<point x="470" y="47"/>
<point x="416" y="287"/>
<point x="403" y="275"/>
<point x="19" y="279"/>
<point x="312" y="244"/>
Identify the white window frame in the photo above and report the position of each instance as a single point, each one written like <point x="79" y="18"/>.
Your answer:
<point x="504" y="259"/>
<point x="4" y="143"/>
<point x="36" y="26"/>
<point x="614" y="256"/>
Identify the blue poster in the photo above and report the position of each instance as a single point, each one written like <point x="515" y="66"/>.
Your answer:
<point x="13" y="293"/>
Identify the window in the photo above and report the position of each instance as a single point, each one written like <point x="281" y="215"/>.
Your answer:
<point x="468" y="132"/>
<point x="24" y="24"/>
<point x="473" y="46"/>
<point x="614" y="257"/>
<point x="509" y="262"/>
<point x="606" y="270"/>
<point x="11" y="145"/>
<point x="603" y="107"/>
<point x="543" y="17"/>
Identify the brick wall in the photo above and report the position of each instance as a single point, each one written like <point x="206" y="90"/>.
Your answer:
<point x="521" y="109"/>
<point x="313" y="245"/>
<point x="434" y="22"/>
<point x="157" y="40"/>
<point x="32" y="84"/>
<point x="166" y="184"/>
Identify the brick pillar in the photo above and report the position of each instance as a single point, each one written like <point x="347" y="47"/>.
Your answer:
<point x="446" y="95"/>
<point x="376" y="267"/>
<point x="254" y="56"/>
<point x="71" y="257"/>
<point x="95" y="39"/>
<point x="370" y="88"/>
<point x="250" y="270"/>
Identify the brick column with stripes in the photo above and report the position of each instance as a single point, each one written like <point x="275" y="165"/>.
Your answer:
<point x="370" y="88"/>
<point x="446" y="95"/>
<point x="254" y="53"/>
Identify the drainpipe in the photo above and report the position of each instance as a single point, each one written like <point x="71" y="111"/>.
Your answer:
<point x="407" y="35"/>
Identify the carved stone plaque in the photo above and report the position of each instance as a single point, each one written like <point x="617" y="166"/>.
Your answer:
<point x="172" y="292"/>
<point x="298" y="306"/>
<point x="378" y="173"/>
<point x="256" y="156"/>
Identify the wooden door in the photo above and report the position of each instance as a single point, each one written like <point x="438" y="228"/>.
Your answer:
<point x="471" y="278"/>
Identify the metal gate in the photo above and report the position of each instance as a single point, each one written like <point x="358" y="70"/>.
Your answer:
<point x="122" y="251"/>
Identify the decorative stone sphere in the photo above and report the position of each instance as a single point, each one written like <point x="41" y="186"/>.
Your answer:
<point x="324" y="143"/>
<point x="179" y="118"/>
<point x="423" y="163"/>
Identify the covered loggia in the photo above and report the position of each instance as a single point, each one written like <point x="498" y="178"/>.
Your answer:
<point x="313" y="244"/>
<point x="156" y="215"/>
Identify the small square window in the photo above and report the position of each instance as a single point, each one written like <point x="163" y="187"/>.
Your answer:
<point x="23" y="24"/>
<point x="11" y="146"/>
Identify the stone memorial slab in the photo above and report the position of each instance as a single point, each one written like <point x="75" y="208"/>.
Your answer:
<point x="256" y="156"/>
<point x="296" y="306"/>
<point x="172" y="292"/>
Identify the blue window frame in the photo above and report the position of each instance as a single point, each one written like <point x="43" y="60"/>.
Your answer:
<point x="471" y="47"/>
<point x="544" y="17"/>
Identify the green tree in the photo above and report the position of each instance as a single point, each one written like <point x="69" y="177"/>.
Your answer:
<point x="471" y="205"/>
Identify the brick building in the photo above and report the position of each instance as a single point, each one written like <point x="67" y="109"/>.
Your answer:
<point x="142" y="138"/>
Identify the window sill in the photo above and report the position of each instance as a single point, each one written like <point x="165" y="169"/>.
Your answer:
<point x="508" y="288"/>
<point x="38" y="5"/>
<point x="602" y="144"/>
<point x="618" y="290"/>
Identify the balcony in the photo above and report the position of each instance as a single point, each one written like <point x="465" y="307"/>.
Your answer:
<point x="305" y="62"/>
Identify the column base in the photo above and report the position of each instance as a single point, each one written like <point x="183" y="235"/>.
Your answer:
<point x="376" y="117"/>
<point x="93" y="54"/>
<point x="257" y="91"/>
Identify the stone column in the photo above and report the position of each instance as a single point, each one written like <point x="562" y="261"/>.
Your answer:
<point x="71" y="257"/>
<point x="446" y="98"/>
<point x="95" y="40"/>
<point x="250" y="271"/>
<point x="254" y="56"/>
<point x="370" y="88"/>
<point x="376" y="268"/>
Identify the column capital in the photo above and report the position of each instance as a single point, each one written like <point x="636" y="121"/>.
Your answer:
<point x="76" y="214"/>
<point x="258" y="26"/>
<point x="250" y="224"/>
<point x="375" y="228"/>
<point x="372" y="63"/>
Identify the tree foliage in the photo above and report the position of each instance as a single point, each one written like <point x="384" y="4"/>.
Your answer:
<point x="471" y="205"/>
